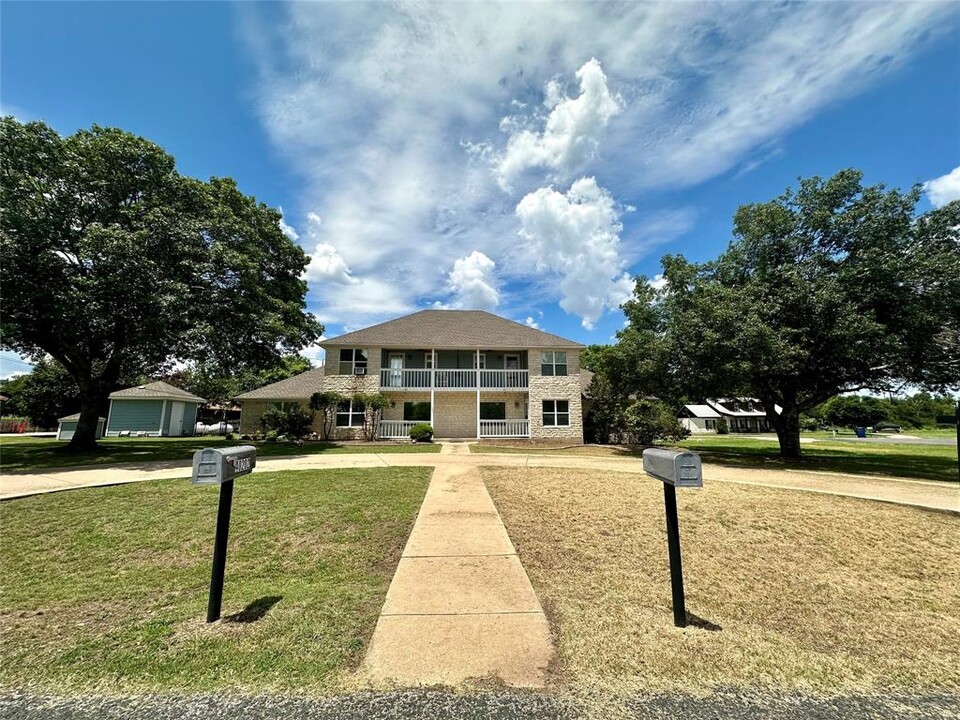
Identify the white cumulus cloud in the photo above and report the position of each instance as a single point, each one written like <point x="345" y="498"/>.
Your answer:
<point x="576" y="236"/>
<point x="287" y="229"/>
<point x="392" y="115"/>
<point x="530" y="322"/>
<point x="659" y="282"/>
<point x="944" y="189"/>
<point x="571" y="133"/>
<point x="474" y="283"/>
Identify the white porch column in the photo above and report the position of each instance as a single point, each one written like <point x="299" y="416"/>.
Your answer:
<point x="476" y="363"/>
<point x="433" y="375"/>
<point x="163" y="411"/>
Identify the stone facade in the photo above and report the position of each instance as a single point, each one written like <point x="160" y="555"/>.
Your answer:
<point x="454" y="413"/>
<point x="565" y="387"/>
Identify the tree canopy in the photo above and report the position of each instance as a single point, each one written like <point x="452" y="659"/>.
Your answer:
<point x="830" y="288"/>
<point x="115" y="265"/>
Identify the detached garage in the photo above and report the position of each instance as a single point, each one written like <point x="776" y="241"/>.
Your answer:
<point x="66" y="426"/>
<point x="156" y="409"/>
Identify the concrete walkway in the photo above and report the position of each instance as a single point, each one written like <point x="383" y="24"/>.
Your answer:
<point x="460" y="605"/>
<point x="918" y="493"/>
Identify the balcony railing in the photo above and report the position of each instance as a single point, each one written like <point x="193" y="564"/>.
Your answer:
<point x="448" y="379"/>
<point x="396" y="428"/>
<point x="504" y="428"/>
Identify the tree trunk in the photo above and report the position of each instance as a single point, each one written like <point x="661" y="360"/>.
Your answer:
<point x="85" y="436"/>
<point x="787" y="425"/>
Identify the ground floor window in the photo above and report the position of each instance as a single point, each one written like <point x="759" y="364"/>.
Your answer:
<point x="711" y="424"/>
<point x="350" y="414"/>
<point x="416" y="411"/>
<point x="493" y="411"/>
<point x="556" y="413"/>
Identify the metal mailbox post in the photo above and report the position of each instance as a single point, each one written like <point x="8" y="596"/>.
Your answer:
<point x="220" y="466"/>
<point x="674" y="469"/>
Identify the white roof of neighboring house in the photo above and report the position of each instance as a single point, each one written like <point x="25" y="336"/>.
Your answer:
<point x="702" y="411"/>
<point x="158" y="390"/>
<point x="740" y="407"/>
<point x="74" y="417"/>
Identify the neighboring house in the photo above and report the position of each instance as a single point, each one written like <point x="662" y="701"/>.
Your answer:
<point x="281" y="394"/>
<point x="698" y="418"/>
<point x="743" y="415"/>
<point x="470" y="374"/>
<point x="66" y="426"/>
<point x="156" y="409"/>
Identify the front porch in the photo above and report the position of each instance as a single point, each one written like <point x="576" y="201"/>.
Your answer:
<point x="396" y="429"/>
<point x="457" y="415"/>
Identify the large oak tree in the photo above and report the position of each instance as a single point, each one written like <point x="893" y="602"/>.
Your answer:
<point x="829" y="288"/>
<point x="116" y="265"/>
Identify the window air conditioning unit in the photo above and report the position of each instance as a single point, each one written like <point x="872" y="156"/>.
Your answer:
<point x="359" y="371"/>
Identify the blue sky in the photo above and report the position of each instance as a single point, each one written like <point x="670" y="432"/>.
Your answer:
<point x="526" y="159"/>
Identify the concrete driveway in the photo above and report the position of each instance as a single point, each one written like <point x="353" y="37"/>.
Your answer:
<point x="920" y="493"/>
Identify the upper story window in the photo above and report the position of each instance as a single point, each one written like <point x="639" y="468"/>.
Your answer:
<point x="553" y="363"/>
<point x="353" y="361"/>
<point x="428" y="360"/>
<point x="482" y="358"/>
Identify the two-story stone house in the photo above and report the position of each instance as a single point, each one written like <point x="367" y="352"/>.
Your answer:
<point x="468" y="373"/>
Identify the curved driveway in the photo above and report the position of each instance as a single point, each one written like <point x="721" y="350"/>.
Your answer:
<point x="920" y="493"/>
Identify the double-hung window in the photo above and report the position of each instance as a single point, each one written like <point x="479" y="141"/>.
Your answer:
<point x="553" y="363"/>
<point x="482" y="359"/>
<point x="350" y="414"/>
<point x="556" y="413"/>
<point x="353" y="361"/>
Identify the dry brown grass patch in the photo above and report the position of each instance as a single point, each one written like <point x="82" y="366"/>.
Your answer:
<point x="813" y="593"/>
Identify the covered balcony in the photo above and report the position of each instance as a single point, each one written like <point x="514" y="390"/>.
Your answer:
<point x="454" y="370"/>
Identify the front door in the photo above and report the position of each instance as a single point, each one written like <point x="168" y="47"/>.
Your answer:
<point x="512" y="362"/>
<point x="396" y="369"/>
<point x="176" y="419"/>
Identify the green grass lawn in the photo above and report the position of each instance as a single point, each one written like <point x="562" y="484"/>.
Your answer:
<point x="105" y="590"/>
<point x="905" y="460"/>
<point x="27" y="453"/>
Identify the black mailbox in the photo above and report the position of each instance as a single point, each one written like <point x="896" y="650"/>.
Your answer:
<point x="220" y="466"/>
<point x="680" y="469"/>
<point x="214" y="466"/>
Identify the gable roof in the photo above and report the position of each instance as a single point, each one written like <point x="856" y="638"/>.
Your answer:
<point x="158" y="390"/>
<point x="452" y="329"/>
<point x="702" y="411"/>
<point x="298" y="387"/>
<point x="586" y="379"/>
<point x="740" y="407"/>
<point x="75" y="416"/>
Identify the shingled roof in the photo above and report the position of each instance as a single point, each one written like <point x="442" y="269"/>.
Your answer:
<point x="158" y="390"/>
<point x="299" y="387"/>
<point x="452" y="329"/>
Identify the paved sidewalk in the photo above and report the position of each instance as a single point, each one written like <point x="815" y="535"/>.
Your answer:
<point x="460" y="605"/>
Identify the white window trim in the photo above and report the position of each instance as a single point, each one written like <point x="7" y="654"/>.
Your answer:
<point x="353" y="361"/>
<point x="554" y="413"/>
<point x="483" y="361"/>
<point x="349" y="414"/>
<point x="553" y="363"/>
